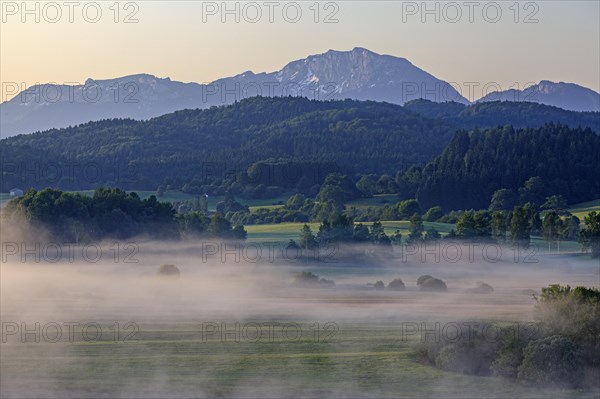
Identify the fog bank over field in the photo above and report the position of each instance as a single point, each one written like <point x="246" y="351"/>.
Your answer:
<point x="169" y="343"/>
<point x="238" y="281"/>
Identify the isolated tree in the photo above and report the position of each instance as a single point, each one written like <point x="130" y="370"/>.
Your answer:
<point x="292" y="245"/>
<point x="466" y="225"/>
<point x="533" y="190"/>
<point x="361" y="233"/>
<point x="366" y="184"/>
<point x="378" y="235"/>
<point x="571" y="228"/>
<point x="433" y="284"/>
<point x="422" y="278"/>
<point x="482" y="223"/>
<point x="416" y="228"/>
<point x="432" y="234"/>
<point x="396" y="285"/>
<point x="503" y="200"/>
<point x="168" y="270"/>
<point x="408" y="208"/>
<point x="556" y="203"/>
<point x="389" y="212"/>
<point x="384" y="183"/>
<point x="396" y="238"/>
<point x="307" y="238"/>
<point x="219" y="226"/>
<point x="341" y="229"/>
<point x="239" y="232"/>
<point x="295" y="202"/>
<point x="338" y="189"/>
<point x="589" y="237"/>
<point x="433" y="214"/>
<point x="552" y="228"/>
<point x="533" y="215"/>
<point x="520" y="228"/>
<point x="499" y="225"/>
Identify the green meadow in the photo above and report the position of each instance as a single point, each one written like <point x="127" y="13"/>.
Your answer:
<point x="164" y="361"/>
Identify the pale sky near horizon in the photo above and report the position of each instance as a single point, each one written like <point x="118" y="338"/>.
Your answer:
<point x="188" y="41"/>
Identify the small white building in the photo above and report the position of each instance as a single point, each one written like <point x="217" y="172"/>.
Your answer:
<point x="16" y="192"/>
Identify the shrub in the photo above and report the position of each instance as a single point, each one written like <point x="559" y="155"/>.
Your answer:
<point x="396" y="285"/>
<point x="466" y="350"/>
<point x="433" y="284"/>
<point x="573" y="313"/>
<point x="326" y="283"/>
<point x="168" y="270"/>
<point x="379" y="285"/>
<point x="481" y="288"/>
<point x="421" y="279"/>
<point x="554" y="361"/>
<point x="311" y="280"/>
<point x="512" y="342"/>
<point x="305" y="278"/>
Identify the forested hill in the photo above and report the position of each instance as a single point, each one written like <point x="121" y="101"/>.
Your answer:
<point x="474" y="165"/>
<point x="500" y="113"/>
<point x="202" y="147"/>
<point x="357" y="137"/>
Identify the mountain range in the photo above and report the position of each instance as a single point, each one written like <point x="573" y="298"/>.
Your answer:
<point x="358" y="74"/>
<point x="568" y="96"/>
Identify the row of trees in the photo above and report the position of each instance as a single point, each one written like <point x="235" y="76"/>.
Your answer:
<point x="343" y="230"/>
<point x="507" y="227"/>
<point x="113" y="213"/>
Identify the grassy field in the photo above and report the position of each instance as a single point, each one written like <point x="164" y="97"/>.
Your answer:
<point x="375" y="201"/>
<point x="283" y="232"/>
<point x="165" y="361"/>
<point x="581" y="210"/>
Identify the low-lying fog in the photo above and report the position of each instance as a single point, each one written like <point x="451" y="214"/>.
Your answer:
<point x="122" y="282"/>
<point x="126" y="288"/>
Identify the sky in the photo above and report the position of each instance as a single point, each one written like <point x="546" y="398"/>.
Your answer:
<point x="472" y="44"/>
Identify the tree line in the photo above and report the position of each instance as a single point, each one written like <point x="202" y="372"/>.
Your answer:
<point x="113" y="213"/>
<point x="258" y="146"/>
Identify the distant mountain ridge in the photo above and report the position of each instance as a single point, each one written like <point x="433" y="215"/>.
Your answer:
<point x="496" y="113"/>
<point x="358" y="74"/>
<point x="568" y="96"/>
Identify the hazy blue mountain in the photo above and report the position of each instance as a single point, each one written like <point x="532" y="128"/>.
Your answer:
<point x="357" y="74"/>
<point x="568" y="96"/>
<point x="499" y="113"/>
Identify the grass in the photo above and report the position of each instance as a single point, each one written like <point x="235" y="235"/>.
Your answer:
<point x="581" y="210"/>
<point x="283" y="232"/>
<point x="173" y="360"/>
<point x="255" y="208"/>
<point x="375" y="201"/>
